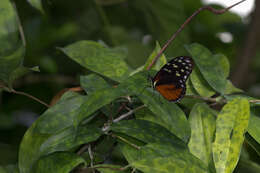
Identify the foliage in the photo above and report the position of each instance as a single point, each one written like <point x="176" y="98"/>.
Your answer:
<point x="118" y="123"/>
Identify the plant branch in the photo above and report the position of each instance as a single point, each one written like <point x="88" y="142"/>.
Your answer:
<point x="208" y="99"/>
<point x="83" y="149"/>
<point x="112" y="168"/>
<point x="214" y="100"/>
<point x="254" y="101"/>
<point x="209" y="8"/>
<point x="91" y="157"/>
<point x="127" y="114"/>
<point x="29" y="96"/>
<point x="126" y="141"/>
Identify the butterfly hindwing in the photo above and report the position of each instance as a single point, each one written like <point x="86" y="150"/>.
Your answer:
<point x="170" y="80"/>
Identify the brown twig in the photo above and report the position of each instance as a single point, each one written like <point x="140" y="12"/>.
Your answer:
<point x="29" y="96"/>
<point x="209" y="8"/>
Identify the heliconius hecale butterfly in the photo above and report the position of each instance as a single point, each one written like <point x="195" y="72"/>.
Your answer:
<point x="170" y="80"/>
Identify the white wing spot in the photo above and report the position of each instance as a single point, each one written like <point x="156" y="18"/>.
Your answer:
<point x="182" y="70"/>
<point x="178" y="74"/>
<point x="179" y="60"/>
<point x="165" y="69"/>
<point x="175" y="66"/>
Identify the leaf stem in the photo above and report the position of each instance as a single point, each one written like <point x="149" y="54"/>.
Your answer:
<point x="30" y="96"/>
<point x="127" y="114"/>
<point x="126" y="141"/>
<point x="208" y="99"/>
<point x="209" y="8"/>
<point x="112" y="168"/>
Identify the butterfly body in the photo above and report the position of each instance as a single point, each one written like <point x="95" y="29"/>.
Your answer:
<point x="170" y="80"/>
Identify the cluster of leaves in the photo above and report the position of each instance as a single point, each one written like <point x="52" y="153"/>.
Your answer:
<point x="154" y="136"/>
<point x="159" y="138"/>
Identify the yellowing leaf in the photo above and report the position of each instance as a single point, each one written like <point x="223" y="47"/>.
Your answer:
<point x="231" y="125"/>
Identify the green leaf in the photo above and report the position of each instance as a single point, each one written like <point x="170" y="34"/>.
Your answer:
<point x="248" y="166"/>
<point x="10" y="64"/>
<point x="162" y="18"/>
<point x="92" y="83"/>
<point x="202" y="121"/>
<point x="165" y="158"/>
<point x="161" y="61"/>
<point x="9" y="37"/>
<point x="147" y="132"/>
<point x="253" y="143"/>
<point x="9" y="169"/>
<point x="157" y="66"/>
<point x="96" y="101"/>
<point x="254" y="127"/>
<point x="21" y="71"/>
<point x="61" y="115"/>
<point x="107" y="168"/>
<point x="46" y="131"/>
<point x="224" y="63"/>
<point x="230" y="88"/>
<point x="60" y="162"/>
<point x="231" y="125"/>
<point x="97" y="58"/>
<point x="166" y="113"/>
<point x="66" y="139"/>
<point x="37" y="4"/>
<point x="200" y="84"/>
<point x="209" y="66"/>
<point x="240" y="96"/>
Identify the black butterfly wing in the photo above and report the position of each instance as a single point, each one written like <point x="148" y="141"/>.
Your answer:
<point x="170" y="80"/>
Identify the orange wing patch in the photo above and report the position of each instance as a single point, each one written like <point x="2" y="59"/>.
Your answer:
<point x="169" y="92"/>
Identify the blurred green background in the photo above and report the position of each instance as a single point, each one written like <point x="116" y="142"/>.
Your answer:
<point x="130" y="25"/>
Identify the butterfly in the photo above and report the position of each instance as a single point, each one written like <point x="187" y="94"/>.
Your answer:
<point x="170" y="80"/>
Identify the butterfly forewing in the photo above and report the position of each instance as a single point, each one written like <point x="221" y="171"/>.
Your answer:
<point x="170" y="80"/>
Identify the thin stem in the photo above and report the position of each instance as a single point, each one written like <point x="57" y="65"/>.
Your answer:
<point x="208" y="99"/>
<point x="83" y="149"/>
<point x="113" y="168"/>
<point x="209" y="8"/>
<point x="254" y="101"/>
<point x="133" y="171"/>
<point x="30" y="96"/>
<point x="126" y="141"/>
<point x="127" y="114"/>
<point x="91" y="157"/>
<point x="20" y="27"/>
